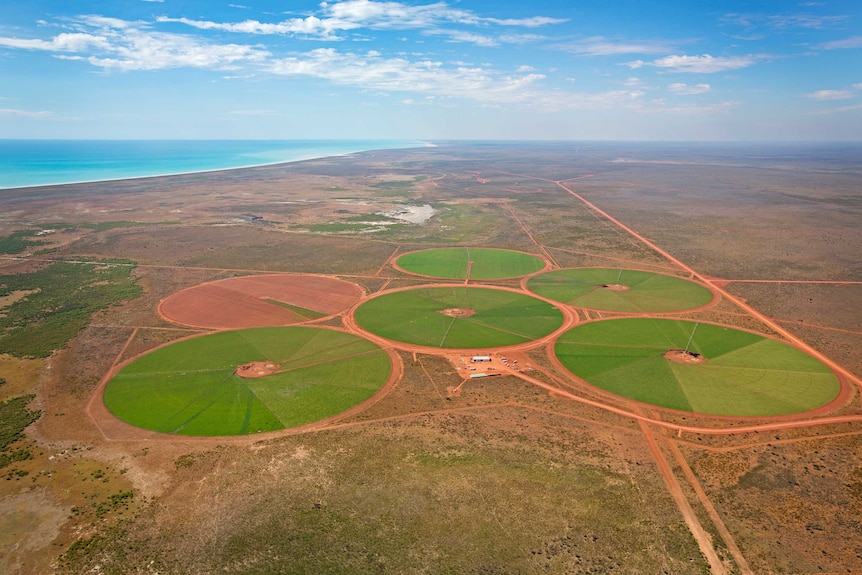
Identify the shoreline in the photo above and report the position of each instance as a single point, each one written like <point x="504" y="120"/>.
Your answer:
<point x="419" y="144"/>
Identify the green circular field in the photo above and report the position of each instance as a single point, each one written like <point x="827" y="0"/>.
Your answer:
<point x="743" y="374"/>
<point x="458" y="317"/>
<point x="482" y="263"/>
<point x="610" y="289"/>
<point x="192" y="387"/>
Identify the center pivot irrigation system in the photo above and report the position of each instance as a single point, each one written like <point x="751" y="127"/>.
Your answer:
<point x="245" y="378"/>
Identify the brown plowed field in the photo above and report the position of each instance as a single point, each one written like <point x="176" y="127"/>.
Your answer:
<point x="253" y="301"/>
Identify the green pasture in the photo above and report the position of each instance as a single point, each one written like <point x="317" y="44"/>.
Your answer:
<point x="744" y="374"/>
<point x="190" y="388"/>
<point x="501" y="317"/>
<point x="486" y="263"/>
<point x="647" y="293"/>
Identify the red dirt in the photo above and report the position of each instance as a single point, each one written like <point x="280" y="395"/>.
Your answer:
<point x="673" y="486"/>
<point x="616" y="287"/>
<point x="251" y="301"/>
<point x="683" y="357"/>
<point x="457" y="312"/>
<point x="256" y="369"/>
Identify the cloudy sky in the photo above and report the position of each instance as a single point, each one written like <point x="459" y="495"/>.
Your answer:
<point x="469" y="69"/>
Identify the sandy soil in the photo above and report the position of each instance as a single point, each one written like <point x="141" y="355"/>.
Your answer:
<point x="256" y="369"/>
<point x="252" y="301"/>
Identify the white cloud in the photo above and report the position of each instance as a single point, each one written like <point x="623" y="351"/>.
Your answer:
<point x="846" y="43"/>
<point x="24" y="113"/>
<point x="355" y="14"/>
<point x="61" y="43"/>
<point x="396" y="14"/>
<point x="254" y="113"/>
<point x="467" y="37"/>
<point x="831" y="94"/>
<point x="839" y="110"/>
<point x="162" y="51"/>
<point x="704" y="109"/>
<point x="844" y="94"/>
<point x="534" y="22"/>
<point x="520" y="38"/>
<point x="121" y="45"/>
<point x="371" y="71"/>
<point x="310" y="26"/>
<point x="705" y="64"/>
<point x="400" y="15"/>
<point x="686" y="90"/>
<point x="104" y="22"/>
<point x="784" y="21"/>
<point x="601" y="46"/>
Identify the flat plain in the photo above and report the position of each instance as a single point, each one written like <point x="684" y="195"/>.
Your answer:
<point x="535" y="471"/>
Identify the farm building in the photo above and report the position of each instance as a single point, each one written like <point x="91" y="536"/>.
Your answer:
<point x="481" y="359"/>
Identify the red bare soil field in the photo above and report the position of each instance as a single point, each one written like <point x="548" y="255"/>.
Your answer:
<point x="253" y="301"/>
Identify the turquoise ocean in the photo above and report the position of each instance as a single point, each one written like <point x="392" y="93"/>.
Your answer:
<point x="46" y="162"/>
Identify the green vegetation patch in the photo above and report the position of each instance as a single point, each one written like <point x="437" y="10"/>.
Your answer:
<point x="14" y="418"/>
<point x="542" y="497"/>
<point x="482" y="263"/>
<point x="18" y="241"/>
<point x="365" y="218"/>
<point x="105" y="226"/>
<point x="641" y="292"/>
<point x="64" y="297"/>
<point x="424" y="316"/>
<point x="337" y="227"/>
<point x="743" y="374"/>
<point x="192" y="388"/>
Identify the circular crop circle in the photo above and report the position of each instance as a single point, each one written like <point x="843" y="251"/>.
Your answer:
<point x="472" y="263"/>
<point x="696" y="367"/>
<point x="247" y="381"/>
<point x="629" y="291"/>
<point x="260" y="301"/>
<point x="458" y="317"/>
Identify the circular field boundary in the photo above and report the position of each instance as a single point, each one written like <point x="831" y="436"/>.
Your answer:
<point x="250" y="301"/>
<point x="570" y="319"/>
<point x="716" y="296"/>
<point x="843" y="395"/>
<point x="545" y="264"/>
<point x="115" y="428"/>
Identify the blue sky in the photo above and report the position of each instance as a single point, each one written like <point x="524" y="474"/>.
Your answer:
<point x="470" y="69"/>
